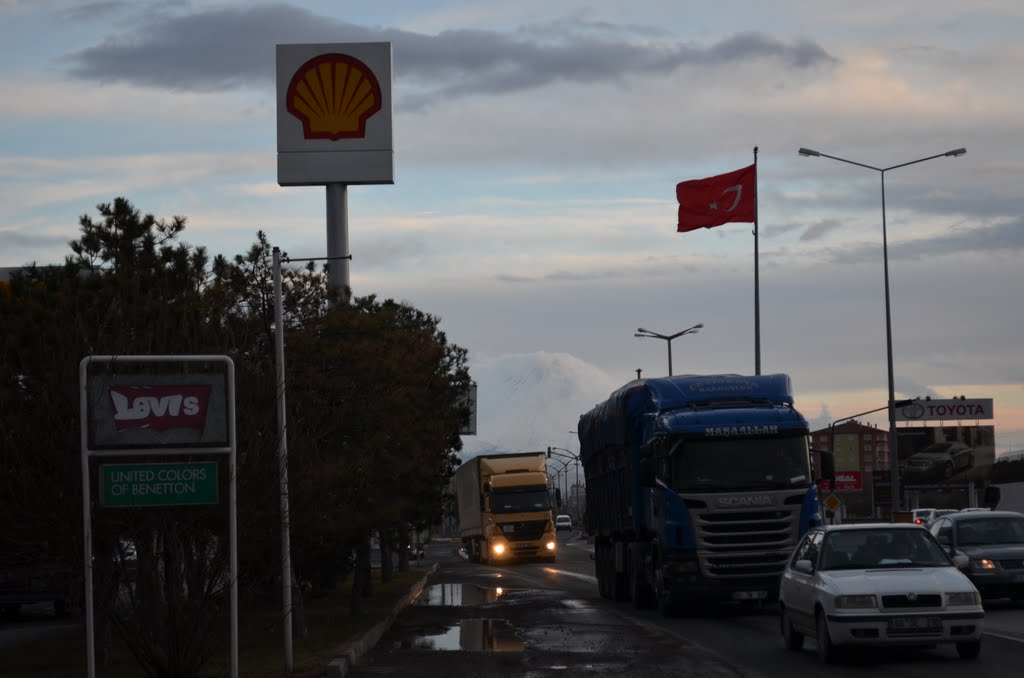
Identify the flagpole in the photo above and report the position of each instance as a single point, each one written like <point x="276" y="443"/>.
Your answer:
<point x="757" y="284"/>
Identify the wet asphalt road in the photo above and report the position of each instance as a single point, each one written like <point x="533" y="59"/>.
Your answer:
<point x="528" y="619"/>
<point x="547" y="620"/>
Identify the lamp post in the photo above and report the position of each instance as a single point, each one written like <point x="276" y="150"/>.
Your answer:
<point x="897" y="502"/>
<point x="575" y="458"/>
<point x="642" y="333"/>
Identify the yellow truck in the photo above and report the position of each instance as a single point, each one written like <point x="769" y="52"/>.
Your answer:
<point x="504" y="508"/>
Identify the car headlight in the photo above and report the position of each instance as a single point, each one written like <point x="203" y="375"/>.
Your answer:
<point x="963" y="598"/>
<point x="982" y="564"/>
<point x="856" y="602"/>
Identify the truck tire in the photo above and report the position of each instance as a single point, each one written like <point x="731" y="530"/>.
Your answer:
<point x="639" y="590"/>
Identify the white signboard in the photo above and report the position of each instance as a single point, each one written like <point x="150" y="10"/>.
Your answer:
<point x="946" y="410"/>
<point x="334" y="114"/>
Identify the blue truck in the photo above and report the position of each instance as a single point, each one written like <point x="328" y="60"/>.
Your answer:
<point x="698" y="488"/>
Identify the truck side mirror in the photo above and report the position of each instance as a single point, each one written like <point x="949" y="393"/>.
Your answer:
<point x="828" y="467"/>
<point x="558" y="497"/>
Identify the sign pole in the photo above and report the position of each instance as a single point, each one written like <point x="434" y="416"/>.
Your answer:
<point x="282" y="455"/>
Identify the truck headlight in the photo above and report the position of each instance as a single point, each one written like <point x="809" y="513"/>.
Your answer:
<point x="856" y="602"/>
<point x="498" y="549"/>
<point x="550" y="546"/>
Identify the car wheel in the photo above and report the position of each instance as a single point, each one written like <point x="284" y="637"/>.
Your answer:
<point x="793" y="639"/>
<point x="827" y="652"/>
<point x="969" y="649"/>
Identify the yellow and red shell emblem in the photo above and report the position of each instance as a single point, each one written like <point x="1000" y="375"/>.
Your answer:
<point x="333" y="95"/>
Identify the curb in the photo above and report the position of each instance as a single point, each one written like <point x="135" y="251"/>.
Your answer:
<point x="351" y="652"/>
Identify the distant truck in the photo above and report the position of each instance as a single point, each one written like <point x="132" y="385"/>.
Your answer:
<point x="504" y="508"/>
<point x="698" y="488"/>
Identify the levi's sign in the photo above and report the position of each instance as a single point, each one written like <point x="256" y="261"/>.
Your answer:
<point x="154" y="411"/>
<point x="171" y="484"/>
<point x="159" y="408"/>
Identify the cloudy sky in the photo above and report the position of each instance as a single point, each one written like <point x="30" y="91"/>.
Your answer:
<point x="537" y="149"/>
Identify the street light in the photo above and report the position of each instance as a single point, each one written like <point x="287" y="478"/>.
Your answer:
<point x="893" y="458"/>
<point x="575" y="458"/>
<point x="642" y="333"/>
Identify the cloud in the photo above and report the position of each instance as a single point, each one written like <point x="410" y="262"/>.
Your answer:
<point x="231" y="47"/>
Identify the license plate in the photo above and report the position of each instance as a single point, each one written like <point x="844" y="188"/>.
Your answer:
<point x="749" y="595"/>
<point x="914" y="623"/>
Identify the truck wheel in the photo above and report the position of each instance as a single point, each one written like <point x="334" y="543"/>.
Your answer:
<point x="639" y="590"/>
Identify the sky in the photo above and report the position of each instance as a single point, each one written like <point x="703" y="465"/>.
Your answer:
<point x="537" y="146"/>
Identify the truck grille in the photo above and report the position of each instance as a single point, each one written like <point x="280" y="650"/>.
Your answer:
<point x="746" y="543"/>
<point x="529" y="530"/>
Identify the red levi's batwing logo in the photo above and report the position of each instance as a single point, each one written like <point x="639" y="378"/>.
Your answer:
<point x="159" y="407"/>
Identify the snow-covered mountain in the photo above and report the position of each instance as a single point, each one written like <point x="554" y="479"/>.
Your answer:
<point x="526" y="402"/>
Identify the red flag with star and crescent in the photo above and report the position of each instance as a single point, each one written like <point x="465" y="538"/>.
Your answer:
<point x="717" y="200"/>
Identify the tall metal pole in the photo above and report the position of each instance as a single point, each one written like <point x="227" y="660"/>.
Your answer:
<point x="337" y="236"/>
<point x="757" y="282"/>
<point x="669" y="342"/>
<point x="282" y="460"/>
<point x="894" y="472"/>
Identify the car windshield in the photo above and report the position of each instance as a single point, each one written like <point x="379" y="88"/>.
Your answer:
<point x="518" y="500"/>
<point x="778" y="463"/>
<point x="880" y="548"/>
<point x="990" y="530"/>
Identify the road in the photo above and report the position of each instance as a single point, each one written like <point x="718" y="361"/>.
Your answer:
<point x="546" y="620"/>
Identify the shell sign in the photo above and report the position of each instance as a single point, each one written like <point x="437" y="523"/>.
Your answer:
<point x="334" y="114"/>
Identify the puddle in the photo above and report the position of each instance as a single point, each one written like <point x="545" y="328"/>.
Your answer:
<point x="458" y="595"/>
<point x="479" y="635"/>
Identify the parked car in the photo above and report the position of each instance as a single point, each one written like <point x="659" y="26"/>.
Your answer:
<point x="877" y="584"/>
<point x="994" y="543"/>
<point x="938" y="462"/>
<point x="563" y="522"/>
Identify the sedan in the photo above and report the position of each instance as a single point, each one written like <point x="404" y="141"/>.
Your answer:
<point x="877" y="584"/>
<point x="994" y="543"/>
<point x="938" y="462"/>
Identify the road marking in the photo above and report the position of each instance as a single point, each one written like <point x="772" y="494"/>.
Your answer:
<point x="1003" y="636"/>
<point x="575" y="575"/>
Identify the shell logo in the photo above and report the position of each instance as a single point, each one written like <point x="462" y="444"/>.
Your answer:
<point x="333" y="95"/>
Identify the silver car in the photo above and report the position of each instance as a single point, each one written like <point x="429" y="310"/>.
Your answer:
<point x="880" y="584"/>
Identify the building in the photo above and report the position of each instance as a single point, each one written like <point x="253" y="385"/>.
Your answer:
<point x="861" y="454"/>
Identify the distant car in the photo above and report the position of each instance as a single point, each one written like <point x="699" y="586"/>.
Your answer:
<point x="938" y="462"/>
<point x="415" y="551"/>
<point x="927" y="516"/>
<point x="974" y="508"/>
<point x="877" y="584"/>
<point x="563" y="522"/>
<point x="994" y="542"/>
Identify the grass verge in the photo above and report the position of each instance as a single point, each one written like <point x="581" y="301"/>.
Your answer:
<point x="329" y="622"/>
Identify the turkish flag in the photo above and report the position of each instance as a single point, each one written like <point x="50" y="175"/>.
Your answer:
<point x="717" y="200"/>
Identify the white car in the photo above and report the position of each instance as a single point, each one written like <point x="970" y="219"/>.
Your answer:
<point x="563" y="522"/>
<point x="877" y="584"/>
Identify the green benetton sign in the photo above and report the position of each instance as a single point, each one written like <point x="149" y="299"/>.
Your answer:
<point x="170" y="484"/>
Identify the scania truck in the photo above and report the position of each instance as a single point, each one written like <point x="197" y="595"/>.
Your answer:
<point x="698" y="488"/>
<point x="504" y="508"/>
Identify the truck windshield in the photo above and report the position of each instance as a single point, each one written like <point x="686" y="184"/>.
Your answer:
<point x="519" y="500"/>
<point x="741" y="464"/>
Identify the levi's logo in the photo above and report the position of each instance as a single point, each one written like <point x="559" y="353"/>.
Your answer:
<point x="159" y="407"/>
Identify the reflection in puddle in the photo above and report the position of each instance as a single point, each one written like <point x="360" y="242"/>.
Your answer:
<point x="487" y="635"/>
<point x="456" y="595"/>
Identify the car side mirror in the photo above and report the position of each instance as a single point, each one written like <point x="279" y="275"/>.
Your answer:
<point x="961" y="561"/>
<point x="805" y="566"/>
